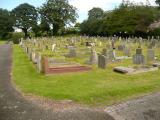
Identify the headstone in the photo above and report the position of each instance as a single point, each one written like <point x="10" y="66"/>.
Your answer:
<point x="93" y="57"/>
<point x="121" y="47"/>
<point x="150" y="55"/>
<point x="72" y="52"/>
<point x="46" y="47"/>
<point x="127" y="51"/>
<point x="53" y="47"/>
<point x="39" y="63"/>
<point x="102" y="61"/>
<point x="34" y="59"/>
<point x="88" y="44"/>
<point x="100" y="43"/>
<point x="138" y="58"/>
<point x="111" y="55"/>
<point x="104" y="52"/>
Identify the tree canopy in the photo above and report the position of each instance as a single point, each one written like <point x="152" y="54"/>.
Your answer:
<point x="95" y="13"/>
<point x="25" y="16"/>
<point x="127" y="19"/>
<point x="6" y="23"/>
<point x="58" y="13"/>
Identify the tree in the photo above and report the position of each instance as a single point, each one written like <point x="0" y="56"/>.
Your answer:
<point x="95" y="13"/>
<point x="126" y="20"/>
<point x="44" y="27"/>
<point x="58" y="13"/>
<point x="158" y="2"/>
<point x="25" y="16"/>
<point x="6" y="23"/>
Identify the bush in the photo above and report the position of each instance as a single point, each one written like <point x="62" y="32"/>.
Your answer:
<point x="15" y="37"/>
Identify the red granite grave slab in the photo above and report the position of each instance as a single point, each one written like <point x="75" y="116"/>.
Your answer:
<point x="68" y="69"/>
<point x="59" y="69"/>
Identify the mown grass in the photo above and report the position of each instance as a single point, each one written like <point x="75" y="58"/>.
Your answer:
<point x="2" y="42"/>
<point x="97" y="87"/>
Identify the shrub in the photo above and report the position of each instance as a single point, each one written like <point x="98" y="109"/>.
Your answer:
<point x="15" y="37"/>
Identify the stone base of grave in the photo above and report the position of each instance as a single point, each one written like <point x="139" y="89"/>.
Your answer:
<point x="132" y="70"/>
<point x="156" y="65"/>
<point x="55" y="66"/>
<point x="71" y="69"/>
<point x="138" y="59"/>
<point x="123" y="58"/>
<point x="124" y="70"/>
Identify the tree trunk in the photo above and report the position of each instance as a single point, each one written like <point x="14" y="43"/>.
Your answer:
<point x="25" y="33"/>
<point x="55" y="29"/>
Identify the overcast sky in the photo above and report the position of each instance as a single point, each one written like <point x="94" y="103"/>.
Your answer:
<point x="83" y="6"/>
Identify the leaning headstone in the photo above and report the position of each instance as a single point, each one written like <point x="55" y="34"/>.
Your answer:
<point x="102" y="61"/>
<point x="138" y="58"/>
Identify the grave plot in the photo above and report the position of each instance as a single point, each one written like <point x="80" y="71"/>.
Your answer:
<point x="135" y="70"/>
<point x="54" y="66"/>
<point x="141" y="62"/>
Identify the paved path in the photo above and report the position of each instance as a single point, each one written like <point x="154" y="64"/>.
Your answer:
<point x="14" y="107"/>
<point x="144" y="108"/>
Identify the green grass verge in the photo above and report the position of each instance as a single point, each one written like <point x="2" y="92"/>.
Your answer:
<point x="97" y="87"/>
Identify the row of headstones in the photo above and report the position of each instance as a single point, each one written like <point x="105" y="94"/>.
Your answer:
<point x="110" y="54"/>
<point x="138" y="58"/>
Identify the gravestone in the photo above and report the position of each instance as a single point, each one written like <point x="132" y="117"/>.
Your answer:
<point x="127" y="51"/>
<point x="104" y="52"/>
<point x="72" y="52"/>
<point x="53" y="47"/>
<point x="111" y="55"/>
<point x="88" y="44"/>
<point x="138" y="58"/>
<point x="46" y="47"/>
<point x="34" y="57"/>
<point x="150" y="55"/>
<point x="93" y="57"/>
<point x="30" y="53"/>
<point x="121" y="47"/>
<point x="102" y="61"/>
<point x="39" y="63"/>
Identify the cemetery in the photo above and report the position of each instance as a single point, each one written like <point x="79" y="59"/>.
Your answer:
<point x="80" y="60"/>
<point x="87" y="70"/>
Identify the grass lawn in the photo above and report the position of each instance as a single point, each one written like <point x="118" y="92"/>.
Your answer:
<point x="97" y="87"/>
<point x="2" y="42"/>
